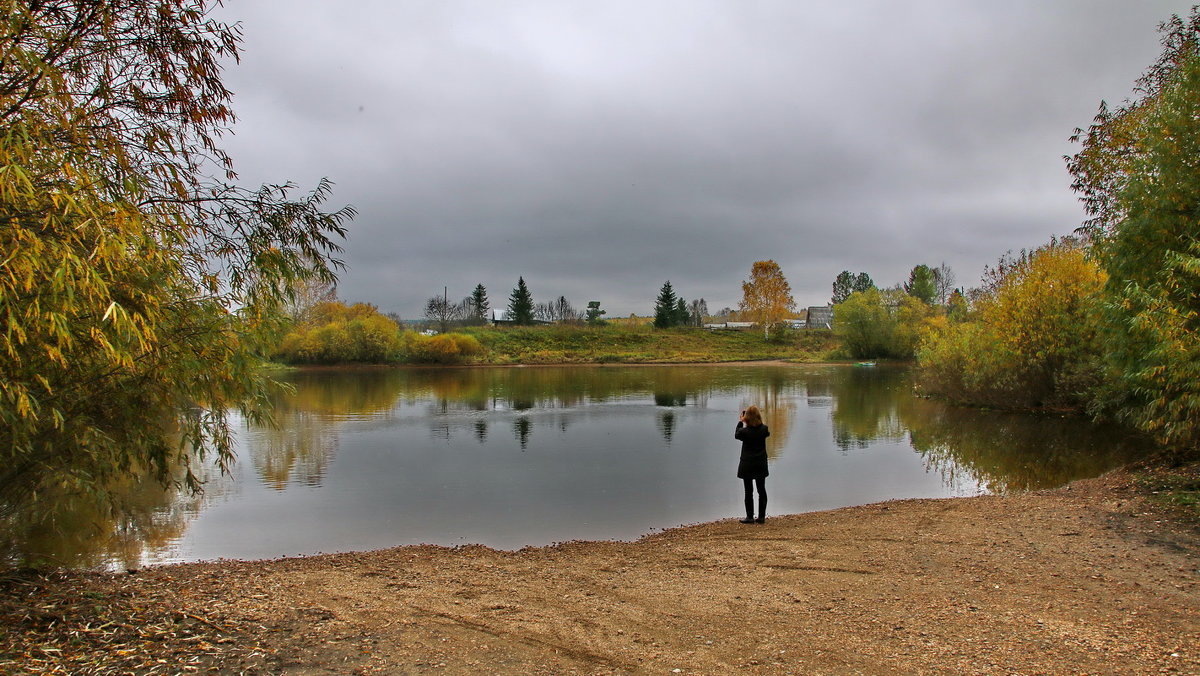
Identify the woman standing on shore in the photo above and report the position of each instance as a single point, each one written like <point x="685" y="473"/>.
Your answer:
<point x="752" y="468"/>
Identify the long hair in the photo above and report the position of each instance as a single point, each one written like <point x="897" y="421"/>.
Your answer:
<point x="753" y="417"/>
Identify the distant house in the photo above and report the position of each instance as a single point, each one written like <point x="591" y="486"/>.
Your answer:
<point x="733" y="326"/>
<point x="820" y="317"/>
<point x="502" y="319"/>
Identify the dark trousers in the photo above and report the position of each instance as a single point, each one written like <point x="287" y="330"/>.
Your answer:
<point x="762" y="497"/>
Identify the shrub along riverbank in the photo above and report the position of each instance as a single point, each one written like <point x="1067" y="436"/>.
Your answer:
<point x="334" y="333"/>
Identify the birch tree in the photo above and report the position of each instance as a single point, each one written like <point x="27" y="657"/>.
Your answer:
<point x="766" y="296"/>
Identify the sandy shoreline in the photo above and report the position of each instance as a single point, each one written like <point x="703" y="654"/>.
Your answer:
<point x="1086" y="579"/>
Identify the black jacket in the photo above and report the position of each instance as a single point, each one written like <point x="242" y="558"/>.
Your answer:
<point x="753" y="464"/>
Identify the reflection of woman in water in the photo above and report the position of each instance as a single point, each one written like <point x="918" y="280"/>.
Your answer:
<point x="752" y="469"/>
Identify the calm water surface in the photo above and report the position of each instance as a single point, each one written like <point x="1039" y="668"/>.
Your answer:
<point x="509" y="457"/>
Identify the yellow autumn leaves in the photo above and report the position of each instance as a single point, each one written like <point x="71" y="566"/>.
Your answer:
<point x="1030" y="340"/>
<point x="766" y="296"/>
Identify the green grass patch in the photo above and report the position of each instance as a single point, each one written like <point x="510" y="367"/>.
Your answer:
<point x="642" y="345"/>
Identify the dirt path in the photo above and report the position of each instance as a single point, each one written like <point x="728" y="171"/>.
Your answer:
<point x="1079" y="580"/>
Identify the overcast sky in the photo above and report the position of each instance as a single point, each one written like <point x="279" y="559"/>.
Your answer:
<point x="599" y="148"/>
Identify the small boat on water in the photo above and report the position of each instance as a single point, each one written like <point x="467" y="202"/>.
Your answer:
<point x="865" y="363"/>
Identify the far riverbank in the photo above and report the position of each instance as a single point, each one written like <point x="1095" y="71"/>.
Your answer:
<point x="581" y="344"/>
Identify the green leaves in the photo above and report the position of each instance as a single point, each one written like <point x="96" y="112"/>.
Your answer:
<point x="876" y="323"/>
<point x="922" y="284"/>
<point x="847" y="283"/>
<point x="1139" y="175"/>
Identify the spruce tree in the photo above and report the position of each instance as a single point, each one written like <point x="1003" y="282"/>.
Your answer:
<point x="479" y="305"/>
<point x="664" y="307"/>
<point x="520" y="304"/>
<point x="682" y="316"/>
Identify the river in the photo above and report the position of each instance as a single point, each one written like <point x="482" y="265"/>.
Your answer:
<point x="510" y="457"/>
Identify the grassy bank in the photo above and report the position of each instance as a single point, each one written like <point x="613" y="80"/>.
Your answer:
<point x="641" y="345"/>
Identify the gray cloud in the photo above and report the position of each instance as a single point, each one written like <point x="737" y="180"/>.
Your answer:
<point x="600" y="148"/>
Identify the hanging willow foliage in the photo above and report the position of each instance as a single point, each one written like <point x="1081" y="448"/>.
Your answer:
<point x="137" y="281"/>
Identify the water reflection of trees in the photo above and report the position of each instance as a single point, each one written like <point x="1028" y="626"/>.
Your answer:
<point x="776" y="394"/>
<point x="355" y="392"/>
<point x="670" y="399"/>
<point x="86" y="531"/>
<point x="1009" y="452"/>
<point x="483" y="389"/>
<point x="445" y="392"/>
<point x="666" y="425"/>
<point x="1004" y="452"/>
<point x="866" y="405"/>
<point x="522" y="428"/>
<point x="298" y="450"/>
